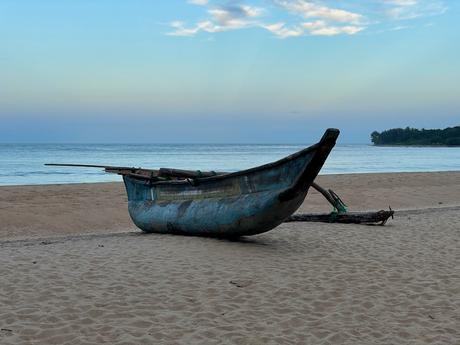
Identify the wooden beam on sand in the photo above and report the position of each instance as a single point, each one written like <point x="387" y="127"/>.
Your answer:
<point x="379" y="217"/>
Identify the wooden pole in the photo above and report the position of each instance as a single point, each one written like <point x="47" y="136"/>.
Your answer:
<point x="333" y="198"/>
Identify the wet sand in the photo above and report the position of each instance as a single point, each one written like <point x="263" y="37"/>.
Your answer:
<point x="75" y="271"/>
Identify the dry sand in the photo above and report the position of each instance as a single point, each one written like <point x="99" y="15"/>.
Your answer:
<point x="302" y="283"/>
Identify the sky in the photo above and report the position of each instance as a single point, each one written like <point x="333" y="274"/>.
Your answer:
<point x="261" y="71"/>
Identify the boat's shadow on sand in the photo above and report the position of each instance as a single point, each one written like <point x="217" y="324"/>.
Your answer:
<point x="258" y="240"/>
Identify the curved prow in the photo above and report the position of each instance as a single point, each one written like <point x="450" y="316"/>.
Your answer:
<point x="312" y="169"/>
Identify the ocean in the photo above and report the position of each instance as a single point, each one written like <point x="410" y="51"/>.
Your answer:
<point x="22" y="164"/>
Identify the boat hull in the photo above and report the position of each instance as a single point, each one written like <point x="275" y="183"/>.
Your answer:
<point x="237" y="204"/>
<point x="243" y="215"/>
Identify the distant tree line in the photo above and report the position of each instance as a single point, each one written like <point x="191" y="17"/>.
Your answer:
<point x="412" y="136"/>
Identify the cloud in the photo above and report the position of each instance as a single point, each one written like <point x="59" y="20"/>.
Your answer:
<point x="314" y="25"/>
<point x="198" y="2"/>
<point x="336" y="30"/>
<point x="306" y="17"/>
<point x="316" y="28"/>
<point x="309" y="9"/>
<point x="235" y="16"/>
<point x="223" y="18"/>
<point x="412" y="9"/>
<point x="280" y="30"/>
<point x="181" y="30"/>
<point x="402" y="2"/>
<point x="399" y="28"/>
<point x="321" y="28"/>
<point x="330" y="21"/>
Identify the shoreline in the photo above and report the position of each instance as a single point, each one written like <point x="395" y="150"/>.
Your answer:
<point x="408" y="145"/>
<point x="323" y="174"/>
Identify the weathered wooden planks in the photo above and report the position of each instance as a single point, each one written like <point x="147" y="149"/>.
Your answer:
<point x="379" y="217"/>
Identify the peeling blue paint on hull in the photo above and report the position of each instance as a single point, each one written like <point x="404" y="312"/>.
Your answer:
<point x="236" y="204"/>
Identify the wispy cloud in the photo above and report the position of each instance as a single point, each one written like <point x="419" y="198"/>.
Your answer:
<point x="328" y="21"/>
<point x="198" y="2"/>
<point x="402" y="2"/>
<point x="221" y="18"/>
<point x="304" y="17"/>
<point x="282" y="31"/>
<point x="320" y="28"/>
<point x="411" y="9"/>
<point x="309" y="9"/>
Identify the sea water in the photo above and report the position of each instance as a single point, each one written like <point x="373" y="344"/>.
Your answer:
<point x="23" y="164"/>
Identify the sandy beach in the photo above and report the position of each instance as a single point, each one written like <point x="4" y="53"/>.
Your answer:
<point x="75" y="270"/>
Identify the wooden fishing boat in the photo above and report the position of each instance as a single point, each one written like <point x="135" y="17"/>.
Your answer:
<point x="242" y="203"/>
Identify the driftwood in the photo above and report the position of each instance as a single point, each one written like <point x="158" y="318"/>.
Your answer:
<point x="340" y="213"/>
<point x="379" y="217"/>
